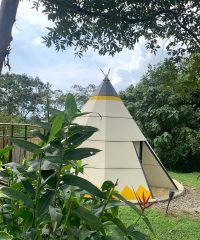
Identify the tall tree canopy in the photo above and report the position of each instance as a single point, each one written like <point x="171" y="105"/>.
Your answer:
<point x="109" y="25"/>
<point x="22" y="96"/>
<point x="166" y="105"/>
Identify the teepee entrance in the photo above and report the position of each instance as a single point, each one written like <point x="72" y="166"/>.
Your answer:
<point x="126" y="155"/>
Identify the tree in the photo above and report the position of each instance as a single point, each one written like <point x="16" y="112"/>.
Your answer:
<point x="166" y="105"/>
<point x="8" y="10"/>
<point x="110" y="25"/>
<point x="82" y="94"/>
<point x="21" y="95"/>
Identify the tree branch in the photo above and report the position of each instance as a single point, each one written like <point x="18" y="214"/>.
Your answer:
<point x="185" y="28"/>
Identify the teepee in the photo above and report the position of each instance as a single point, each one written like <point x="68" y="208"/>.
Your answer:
<point x="126" y="155"/>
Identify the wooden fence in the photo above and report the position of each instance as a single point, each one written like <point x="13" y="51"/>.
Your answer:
<point x="21" y="131"/>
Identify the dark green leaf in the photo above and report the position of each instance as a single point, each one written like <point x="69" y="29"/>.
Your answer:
<point x="70" y="105"/>
<point x="17" y="195"/>
<point x="80" y="129"/>
<point x="57" y="125"/>
<point x="6" y="150"/>
<point x="29" y="146"/>
<point x="83" y="184"/>
<point x="117" y="222"/>
<point x="130" y="204"/>
<point x="136" y="234"/>
<point x="49" y="177"/>
<point x="54" y="159"/>
<point x="45" y="201"/>
<point x="37" y="133"/>
<point x="28" y="187"/>
<point x="85" y="214"/>
<point x="80" y="153"/>
<point x="47" y="165"/>
<point x="81" y="135"/>
<point x="56" y="216"/>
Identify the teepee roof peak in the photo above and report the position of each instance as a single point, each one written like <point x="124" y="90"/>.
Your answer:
<point x="105" y="89"/>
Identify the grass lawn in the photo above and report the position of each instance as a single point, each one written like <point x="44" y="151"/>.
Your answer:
<point x="188" y="179"/>
<point x="169" y="227"/>
<point x="181" y="227"/>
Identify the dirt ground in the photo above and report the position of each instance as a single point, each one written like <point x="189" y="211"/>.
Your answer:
<point x="188" y="202"/>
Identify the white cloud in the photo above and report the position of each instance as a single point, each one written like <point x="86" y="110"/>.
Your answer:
<point x="37" y="41"/>
<point x="26" y="14"/>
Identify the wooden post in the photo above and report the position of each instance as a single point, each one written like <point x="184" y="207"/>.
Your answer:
<point x="11" y="135"/>
<point x="4" y="134"/>
<point x="25" y="138"/>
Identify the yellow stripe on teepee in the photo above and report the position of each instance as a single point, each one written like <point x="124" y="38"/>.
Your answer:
<point x="105" y="98"/>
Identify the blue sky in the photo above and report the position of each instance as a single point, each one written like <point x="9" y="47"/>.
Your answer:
<point x="62" y="70"/>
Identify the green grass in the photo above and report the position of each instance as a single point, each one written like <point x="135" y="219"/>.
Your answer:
<point x="169" y="227"/>
<point x="181" y="227"/>
<point x="188" y="179"/>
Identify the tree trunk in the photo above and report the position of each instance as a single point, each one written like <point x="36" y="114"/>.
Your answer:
<point x="8" y="10"/>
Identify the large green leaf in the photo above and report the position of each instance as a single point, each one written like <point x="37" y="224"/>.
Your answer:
<point x="17" y="195"/>
<point x="79" y="134"/>
<point x="56" y="216"/>
<point x="6" y="150"/>
<point x="57" y="125"/>
<point x="5" y="236"/>
<point x="28" y="186"/>
<point x="130" y="204"/>
<point x="54" y="159"/>
<point x="117" y="222"/>
<point x="70" y="105"/>
<point x="83" y="184"/>
<point x="37" y="133"/>
<point x="88" y="216"/>
<point x="80" y="129"/>
<point x="29" y="146"/>
<point x="80" y="153"/>
<point x="45" y="201"/>
<point x="135" y="233"/>
<point x="49" y="177"/>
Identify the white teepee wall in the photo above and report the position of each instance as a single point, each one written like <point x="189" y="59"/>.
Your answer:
<point x="125" y="154"/>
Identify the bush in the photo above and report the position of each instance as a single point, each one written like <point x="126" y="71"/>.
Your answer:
<point x="44" y="198"/>
<point x="166" y="105"/>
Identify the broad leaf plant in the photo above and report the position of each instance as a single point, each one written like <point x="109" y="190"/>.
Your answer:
<point x="44" y="197"/>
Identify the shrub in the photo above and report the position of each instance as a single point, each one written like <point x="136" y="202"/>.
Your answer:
<point x="44" y="198"/>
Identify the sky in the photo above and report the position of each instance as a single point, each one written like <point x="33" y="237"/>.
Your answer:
<point x="62" y="69"/>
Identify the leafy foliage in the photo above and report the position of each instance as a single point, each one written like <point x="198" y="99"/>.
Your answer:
<point x="166" y="105"/>
<point x="108" y="26"/>
<point x="21" y="95"/>
<point x="43" y="198"/>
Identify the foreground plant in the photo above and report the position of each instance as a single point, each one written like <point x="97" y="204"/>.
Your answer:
<point x="44" y="198"/>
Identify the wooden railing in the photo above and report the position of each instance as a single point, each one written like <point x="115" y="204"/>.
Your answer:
<point x="22" y="131"/>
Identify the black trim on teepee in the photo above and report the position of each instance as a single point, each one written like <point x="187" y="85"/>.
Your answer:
<point x="143" y="172"/>
<point x="159" y="162"/>
<point x="140" y="153"/>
